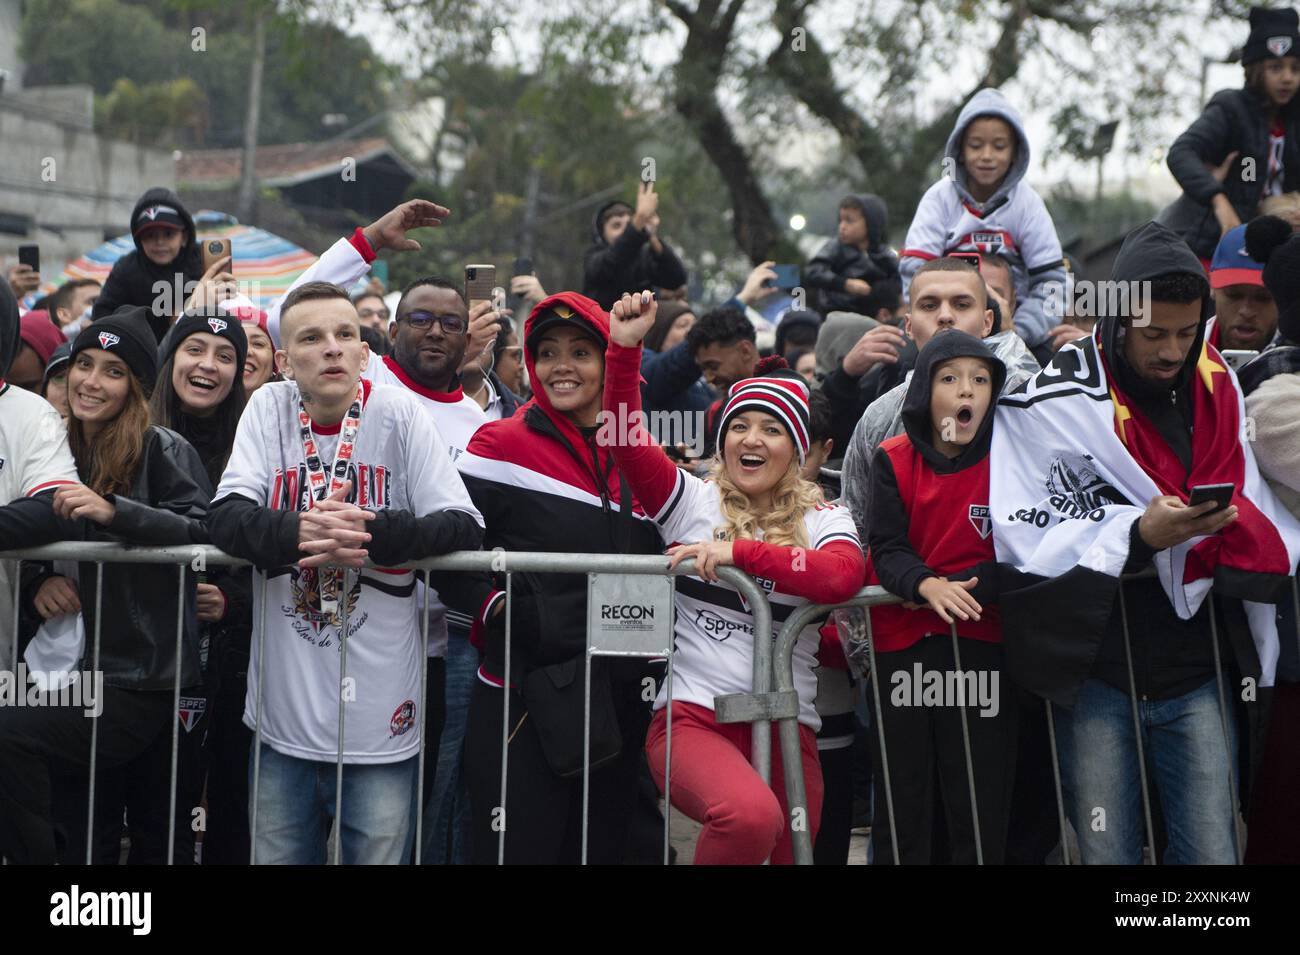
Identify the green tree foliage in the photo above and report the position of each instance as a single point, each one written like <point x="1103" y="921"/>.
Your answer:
<point x="312" y="68"/>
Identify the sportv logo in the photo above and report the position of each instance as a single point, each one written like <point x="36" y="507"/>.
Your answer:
<point x="718" y="627"/>
<point x="103" y="908"/>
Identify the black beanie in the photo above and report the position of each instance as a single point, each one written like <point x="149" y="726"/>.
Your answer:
<point x="1270" y="240"/>
<point x="211" y="320"/>
<point x="1273" y="32"/>
<point x="127" y="334"/>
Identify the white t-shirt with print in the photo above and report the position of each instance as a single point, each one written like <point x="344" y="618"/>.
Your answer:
<point x="714" y="651"/>
<point x="399" y="462"/>
<point x="34" y="457"/>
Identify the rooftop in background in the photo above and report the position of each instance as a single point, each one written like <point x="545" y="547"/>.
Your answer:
<point x="368" y="176"/>
<point x="290" y="164"/>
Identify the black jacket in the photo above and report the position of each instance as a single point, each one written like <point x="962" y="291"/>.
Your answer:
<point x="629" y="265"/>
<point x="1233" y="121"/>
<point x="166" y="506"/>
<point x="836" y="262"/>
<point x="134" y="278"/>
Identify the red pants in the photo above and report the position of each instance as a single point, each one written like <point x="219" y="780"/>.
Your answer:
<point x="713" y="783"/>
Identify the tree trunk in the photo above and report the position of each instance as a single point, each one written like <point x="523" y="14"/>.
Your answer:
<point x="247" y="210"/>
<point x="891" y="168"/>
<point x="698" y="73"/>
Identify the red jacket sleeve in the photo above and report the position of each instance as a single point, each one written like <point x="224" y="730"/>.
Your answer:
<point x="362" y="246"/>
<point x="827" y="575"/>
<point x="649" y="472"/>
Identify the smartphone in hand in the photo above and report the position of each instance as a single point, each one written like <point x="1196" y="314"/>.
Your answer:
<point x="1221" y="494"/>
<point x="30" y="255"/>
<point x="480" y="280"/>
<point x="214" y="250"/>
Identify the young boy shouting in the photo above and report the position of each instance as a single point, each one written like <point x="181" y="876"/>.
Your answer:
<point x="930" y="544"/>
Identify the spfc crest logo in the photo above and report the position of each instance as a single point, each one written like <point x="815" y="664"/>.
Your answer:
<point x="218" y="325"/>
<point x="108" y="339"/>
<point x="980" y="520"/>
<point x="1279" y="45"/>
<point x="191" y="711"/>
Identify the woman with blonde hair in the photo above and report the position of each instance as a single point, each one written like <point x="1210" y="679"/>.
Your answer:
<point x="755" y="512"/>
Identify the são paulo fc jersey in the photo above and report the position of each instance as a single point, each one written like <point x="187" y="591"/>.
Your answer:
<point x="399" y="461"/>
<point x="714" y="646"/>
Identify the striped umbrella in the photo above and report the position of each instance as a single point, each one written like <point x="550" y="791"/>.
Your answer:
<point x="265" y="264"/>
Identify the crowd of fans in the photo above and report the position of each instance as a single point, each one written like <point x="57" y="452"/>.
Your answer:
<point x="1051" y="489"/>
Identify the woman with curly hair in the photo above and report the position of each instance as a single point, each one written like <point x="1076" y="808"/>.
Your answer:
<point x="755" y="512"/>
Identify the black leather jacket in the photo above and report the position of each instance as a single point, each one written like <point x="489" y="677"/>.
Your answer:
<point x="166" y="506"/>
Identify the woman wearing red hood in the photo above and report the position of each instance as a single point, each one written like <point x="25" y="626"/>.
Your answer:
<point x="543" y="483"/>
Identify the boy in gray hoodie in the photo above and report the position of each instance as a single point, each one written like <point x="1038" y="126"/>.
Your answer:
<point x="982" y="204"/>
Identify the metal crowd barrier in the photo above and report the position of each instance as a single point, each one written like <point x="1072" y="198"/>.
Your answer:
<point x="738" y="708"/>
<point x="784" y="708"/>
<point x="774" y="697"/>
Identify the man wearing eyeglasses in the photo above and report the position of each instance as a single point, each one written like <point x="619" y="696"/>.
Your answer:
<point x="429" y="340"/>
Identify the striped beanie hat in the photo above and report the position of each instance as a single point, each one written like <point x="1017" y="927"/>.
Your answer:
<point x="776" y="391"/>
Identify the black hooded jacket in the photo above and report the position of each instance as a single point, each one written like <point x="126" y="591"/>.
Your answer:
<point x="629" y="265"/>
<point x="134" y="279"/>
<point x="836" y="262"/>
<point x="900" y="568"/>
<point x="1171" y="656"/>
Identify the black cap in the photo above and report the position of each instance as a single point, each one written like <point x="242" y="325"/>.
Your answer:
<point x="155" y="215"/>
<point x="561" y="314"/>
<point x="127" y="334"/>
<point x="1273" y="32"/>
<point x="211" y="320"/>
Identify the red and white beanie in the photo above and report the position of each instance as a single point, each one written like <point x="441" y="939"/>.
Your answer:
<point x="771" y="392"/>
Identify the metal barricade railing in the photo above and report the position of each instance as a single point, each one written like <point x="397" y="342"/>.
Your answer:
<point x="753" y="708"/>
<point x="774" y="696"/>
<point x="782" y="706"/>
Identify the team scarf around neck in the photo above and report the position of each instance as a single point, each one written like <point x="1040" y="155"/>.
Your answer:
<point x="1251" y="543"/>
<point x="331" y="578"/>
<point x="1074" y="462"/>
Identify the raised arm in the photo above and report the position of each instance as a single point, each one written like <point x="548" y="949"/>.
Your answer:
<point x="649" y="472"/>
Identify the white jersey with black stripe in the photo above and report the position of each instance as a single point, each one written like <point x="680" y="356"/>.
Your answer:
<point x="714" y="638"/>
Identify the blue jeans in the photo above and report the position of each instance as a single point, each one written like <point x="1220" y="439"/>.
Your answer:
<point x="446" y="815"/>
<point x="295" y="808"/>
<point x="1184" y="745"/>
